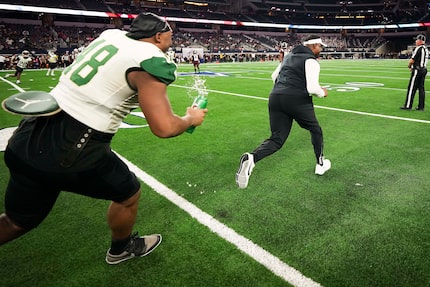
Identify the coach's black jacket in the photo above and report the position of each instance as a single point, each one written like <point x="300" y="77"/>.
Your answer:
<point x="292" y="79"/>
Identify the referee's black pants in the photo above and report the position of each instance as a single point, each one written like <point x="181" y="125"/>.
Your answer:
<point x="416" y="82"/>
<point x="283" y="109"/>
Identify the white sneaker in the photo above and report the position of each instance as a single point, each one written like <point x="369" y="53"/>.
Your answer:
<point x="6" y="76"/>
<point x="18" y="81"/>
<point x="321" y="169"/>
<point x="245" y="168"/>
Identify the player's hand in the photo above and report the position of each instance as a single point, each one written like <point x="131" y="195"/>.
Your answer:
<point x="197" y="115"/>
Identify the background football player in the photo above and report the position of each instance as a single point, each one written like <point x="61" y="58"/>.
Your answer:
<point x="52" y="62"/>
<point x="23" y="60"/>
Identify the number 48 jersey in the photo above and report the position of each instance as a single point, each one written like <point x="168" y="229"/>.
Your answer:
<point x="94" y="89"/>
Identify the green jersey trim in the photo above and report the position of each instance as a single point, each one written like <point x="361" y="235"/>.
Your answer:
<point x="160" y="68"/>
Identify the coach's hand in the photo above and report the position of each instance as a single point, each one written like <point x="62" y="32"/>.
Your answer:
<point x="325" y="92"/>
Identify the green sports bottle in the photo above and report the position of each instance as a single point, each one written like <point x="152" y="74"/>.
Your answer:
<point x="201" y="101"/>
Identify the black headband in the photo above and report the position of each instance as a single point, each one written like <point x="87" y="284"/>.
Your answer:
<point x="146" y="25"/>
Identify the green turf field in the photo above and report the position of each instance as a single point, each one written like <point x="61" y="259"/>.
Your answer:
<point x="364" y="223"/>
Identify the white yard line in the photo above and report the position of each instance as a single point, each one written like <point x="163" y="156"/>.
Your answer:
<point x="316" y="106"/>
<point x="375" y="115"/>
<point x="15" y="86"/>
<point x="271" y="262"/>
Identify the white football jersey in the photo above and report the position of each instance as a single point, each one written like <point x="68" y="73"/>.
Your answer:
<point x="196" y="58"/>
<point x="52" y="58"/>
<point x="171" y="55"/>
<point x="94" y="89"/>
<point x="65" y="57"/>
<point x="23" y="62"/>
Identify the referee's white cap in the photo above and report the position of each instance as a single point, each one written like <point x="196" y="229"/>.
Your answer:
<point x="420" y="37"/>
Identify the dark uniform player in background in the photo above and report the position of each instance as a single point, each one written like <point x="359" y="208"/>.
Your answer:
<point x="290" y="99"/>
<point x="418" y="66"/>
<point x="196" y="61"/>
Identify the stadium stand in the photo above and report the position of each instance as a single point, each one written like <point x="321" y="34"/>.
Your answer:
<point x="42" y="31"/>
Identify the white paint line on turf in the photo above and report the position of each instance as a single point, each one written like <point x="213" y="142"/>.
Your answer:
<point x="271" y="262"/>
<point x="316" y="106"/>
<point x="375" y="115"/>
<point x="15" y="86"/>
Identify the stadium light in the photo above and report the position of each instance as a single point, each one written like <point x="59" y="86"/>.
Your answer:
<point x="196" y="3"/>
<point x="36" y="9"/>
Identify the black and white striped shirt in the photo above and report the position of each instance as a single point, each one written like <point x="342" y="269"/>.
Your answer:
<point x="420" y="56"/>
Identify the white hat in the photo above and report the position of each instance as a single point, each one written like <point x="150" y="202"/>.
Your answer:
<point x="314" y="41"/>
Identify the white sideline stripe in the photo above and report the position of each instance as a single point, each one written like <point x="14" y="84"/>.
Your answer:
<point x="316" y="106"/>
<point x="271" y="262"/>
<point x="265" y="258"/>
<point x="13" y="85"/>
<point x="375" y="115"/>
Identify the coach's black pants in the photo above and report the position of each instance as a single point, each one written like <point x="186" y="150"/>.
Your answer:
<point x="283" y="109"/>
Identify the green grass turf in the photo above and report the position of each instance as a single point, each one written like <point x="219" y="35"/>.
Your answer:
<point x="364" y="223"/>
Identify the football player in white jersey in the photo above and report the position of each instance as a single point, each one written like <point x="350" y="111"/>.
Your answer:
<point x="76" y="52"/>
<point x="66" y="59"/>
<point x="171" y="55"/>
<point x="283" y="50"/>
<point x="23" y="60"/>
<point x="70" y="150"/>
<point x="52" y="62"/>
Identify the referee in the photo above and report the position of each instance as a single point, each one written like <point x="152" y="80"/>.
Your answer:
<point x="418" y="66"/>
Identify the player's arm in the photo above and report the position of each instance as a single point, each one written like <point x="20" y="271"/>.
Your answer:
<point x="312" y="71"/>
<point x="156" y="106"/>
<point x="414" y="57"/>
